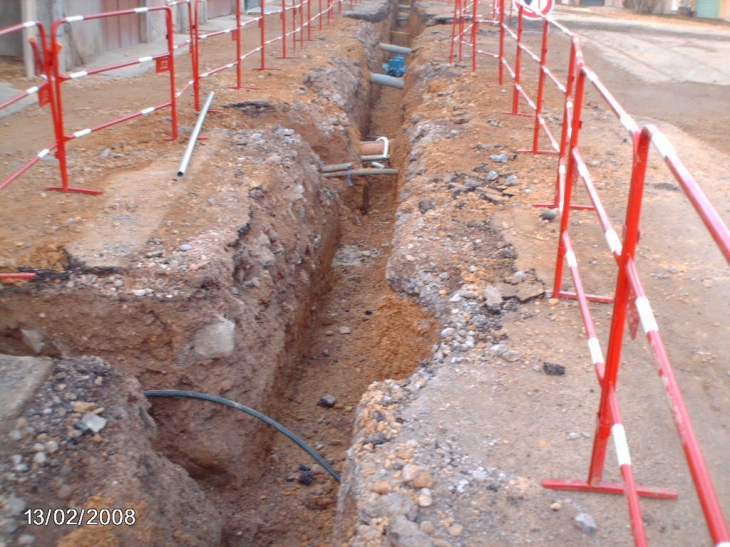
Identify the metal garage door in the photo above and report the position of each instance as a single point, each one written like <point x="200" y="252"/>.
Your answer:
<point x="708" y="8"/>
<point x="122" y="31"/>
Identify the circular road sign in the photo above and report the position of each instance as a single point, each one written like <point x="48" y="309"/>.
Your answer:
<point x="534" y="9"/>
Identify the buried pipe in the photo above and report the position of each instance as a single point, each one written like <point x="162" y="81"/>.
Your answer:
<point x="361" y="172"/>
<point x="251" y="412"/>
<point x="396" y="49"/>
<point x="338" y="167"/>
<point x="390" y="81"/>
<point x="194" y="136"/>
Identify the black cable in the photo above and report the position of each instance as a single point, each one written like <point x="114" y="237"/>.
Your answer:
<point x="251" y="412"/>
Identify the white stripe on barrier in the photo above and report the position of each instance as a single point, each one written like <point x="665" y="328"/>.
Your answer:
<point x="648" y="321"/>
<point x="621" y="444"/>
<point x="145" y="59"/>
<point x="74" y="18"/>
<point x="583" y="170"/>
<point x="29" y="24"/>
<point x="43" y="153"/>
<point x="79" y="74"/>
<point x="594" y="346"/>
<point x="141" y="10"/>
<point x="82" y="133"/>
<point x="629" y="123"/>
<point x="614" y="243"/>
<point x="32" y="90"/>
<point x="723" y="544"/>
<point x="571" y="260"/>
<point x="205" y="75"/>
<point x="663" y="145"/>
<point x="146" y="111"/>
<point x="592" y="77"/>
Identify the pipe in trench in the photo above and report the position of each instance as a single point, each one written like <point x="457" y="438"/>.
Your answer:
<point x="390" y="81"/>
<point x="251" y="412"/>
<point x="396" y="49"/>
<point x="194" y="136"/>
<point x="360" y="172"/>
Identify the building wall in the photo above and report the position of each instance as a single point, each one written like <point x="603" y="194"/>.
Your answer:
<point x="11" y="45"/>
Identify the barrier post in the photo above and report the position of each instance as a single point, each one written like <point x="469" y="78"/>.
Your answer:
<point x="518" y="63"/>
<point x="474" y="31"/>
<point x="309" y="20"/>
<point x="502" y="31"/>
<point x="165" y="63"/>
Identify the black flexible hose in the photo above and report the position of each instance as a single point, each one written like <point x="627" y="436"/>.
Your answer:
<point x="251" y="412"/>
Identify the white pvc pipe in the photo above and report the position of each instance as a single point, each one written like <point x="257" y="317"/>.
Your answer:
<point x="390" y="81"/>
<point x="396" y="49"/>
<point x="194" y="136"/>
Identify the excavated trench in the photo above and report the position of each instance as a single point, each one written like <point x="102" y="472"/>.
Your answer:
<point x="272" y="293"/>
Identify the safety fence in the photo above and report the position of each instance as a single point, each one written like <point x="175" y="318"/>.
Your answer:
<point x="630" y="301"/>
<point x="50" y="92"/>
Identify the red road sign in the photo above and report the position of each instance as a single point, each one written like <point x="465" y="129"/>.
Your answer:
<point x="534" y="9"/>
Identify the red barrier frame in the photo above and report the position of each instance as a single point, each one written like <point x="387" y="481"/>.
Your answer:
<point x="44" y="91"/>
<point x="165" y="62"/>
<point x="631" y="299"/>
<point x="45" y="97"/>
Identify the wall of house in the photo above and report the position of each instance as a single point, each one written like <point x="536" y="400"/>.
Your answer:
<point x="11" y="45"/>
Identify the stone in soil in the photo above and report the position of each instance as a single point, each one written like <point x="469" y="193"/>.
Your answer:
<point x="552" y="369"/>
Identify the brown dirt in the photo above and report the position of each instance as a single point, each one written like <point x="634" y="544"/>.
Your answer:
<point x="528" y="418"/>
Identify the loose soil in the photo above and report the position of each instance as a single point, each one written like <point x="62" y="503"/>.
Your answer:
<point x="519" y="425"/>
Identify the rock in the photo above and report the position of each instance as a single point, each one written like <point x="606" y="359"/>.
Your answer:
<point x="426" y="205"/>
<point x="423" y="480"/>
<point x="327" y="401"/>
<point x="20" y="377"/>
<point x="26" y="539"/>
<point x="425" y="498"/>
<point x="82" y="407"/>
<point x="585" y="522"/>
<point x="548" y="215"/>
<point x="427" y="527"/>
<point x="455" y="530"/>
<point x="410" y="472"/>
<point x="382" y="488"/>
<point x="492" y="297"/>
<point x="530" y="291"/>
<point x="557" y="506"/>
<point x="499" y="158"/>
<point x="404" y="533"/>
<point x="139" y="292"/>
<point x="215" y="339"/>
<point x="512" y="180"/>
<point x="552" y="369"/>
<point x="40" y="458"/>
<point x="94" y="422"/>
<point x="185" y="247"/>
<point x="33" y="339"/>
<point x="345" y="330"/>
<point x="14" y="506"/>
<point x="306" y="476"/>
<point x="391" y="505"/>
<point x="441" y="543"/>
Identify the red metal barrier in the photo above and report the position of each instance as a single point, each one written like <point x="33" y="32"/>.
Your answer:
<point x="165" y="63"/>
<point x="630" y="297"/>
<point x="43" y="91"/>
<point x="45" y="98"/>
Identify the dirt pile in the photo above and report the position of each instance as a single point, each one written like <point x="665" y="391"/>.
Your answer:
<point x="77" y="467"/>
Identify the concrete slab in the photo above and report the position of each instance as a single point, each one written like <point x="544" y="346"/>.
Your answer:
<point x="20" y="378"/>
<point x="8" y="91"/>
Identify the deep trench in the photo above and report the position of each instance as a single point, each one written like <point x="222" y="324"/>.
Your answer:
<point x="360" y="332"/>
